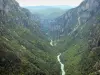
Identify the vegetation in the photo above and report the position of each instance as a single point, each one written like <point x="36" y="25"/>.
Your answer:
<point x="24" y="50"/>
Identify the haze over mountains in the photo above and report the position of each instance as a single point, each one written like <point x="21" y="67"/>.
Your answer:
<point x="25" y="47"/>
<point x="49" y="11"/>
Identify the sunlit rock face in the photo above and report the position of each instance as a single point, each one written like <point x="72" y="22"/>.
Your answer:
<point x="7" y="5"/>
<point x="89" y="5"/>
<point x="87" y="9"/>
<point x="76" y="16"/>
<point x="83" y="23"/>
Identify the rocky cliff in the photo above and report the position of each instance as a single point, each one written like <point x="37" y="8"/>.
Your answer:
<point x="77" y="17"/>
<point x="79" y="38"/>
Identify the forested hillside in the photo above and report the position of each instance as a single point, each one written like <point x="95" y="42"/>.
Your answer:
<point x="79" y="33"/>
<point x="25" y="40"/>
<point x="24" y="50"/>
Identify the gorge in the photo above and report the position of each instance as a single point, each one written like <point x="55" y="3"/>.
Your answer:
<point x="30" y="43"/>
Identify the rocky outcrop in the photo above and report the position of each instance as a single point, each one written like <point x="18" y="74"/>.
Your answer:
<point x="8" y="6"/>
<point x="85" y="13"/>
<point x="81" y="24"/>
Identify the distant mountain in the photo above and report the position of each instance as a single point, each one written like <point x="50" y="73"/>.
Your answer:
<point x="64" y="6"/>
<point x="48" y="11"/>
<point x="45" y="7"/>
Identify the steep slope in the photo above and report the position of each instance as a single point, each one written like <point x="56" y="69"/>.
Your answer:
<point x="78" y="34"/>
<point x="24" y="50"/>
<point x="75" y="17"/>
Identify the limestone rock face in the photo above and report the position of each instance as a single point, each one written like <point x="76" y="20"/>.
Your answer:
<point x="9" y="5"/>
<point x="72" y="19"/>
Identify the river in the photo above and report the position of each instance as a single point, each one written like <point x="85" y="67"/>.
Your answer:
<point x="62" y="65"/>
<point x="51" y="43"/>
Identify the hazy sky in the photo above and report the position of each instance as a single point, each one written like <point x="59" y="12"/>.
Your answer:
<point x="49" y="2"/>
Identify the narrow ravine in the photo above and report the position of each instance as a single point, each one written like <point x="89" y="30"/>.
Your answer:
<point x="62" y="65"/>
